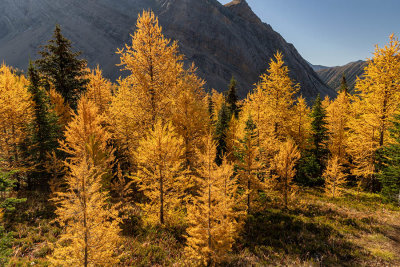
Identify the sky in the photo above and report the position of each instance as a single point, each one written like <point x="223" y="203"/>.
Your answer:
<point x="331" y="32"/>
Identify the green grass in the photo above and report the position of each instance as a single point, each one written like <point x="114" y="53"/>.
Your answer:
<point x="357" y="229"/>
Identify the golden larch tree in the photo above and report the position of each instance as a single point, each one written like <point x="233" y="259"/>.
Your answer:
<point x="335" y="177"/>
<point x="213" y="220"/>
<point x="161" y="174"/>
<point x="16" y="113"/>
<point x="272" y="102"/>
<point x="377" y="98"/>
<point x="60" y="108"/>
<point x="301" y="123"/>
<point x="146" y="94"/>
<point x="99" y="89"/>
<point x="284" y="170"/>
<point x="190" y="115"/>
<point x="338" y="116"/>
<point x="90" y="225"/>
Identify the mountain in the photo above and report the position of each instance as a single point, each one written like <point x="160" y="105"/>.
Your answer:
<point x="317" y="67"/>
<point x="333" y="76"/>
<point x="221" y="40"/>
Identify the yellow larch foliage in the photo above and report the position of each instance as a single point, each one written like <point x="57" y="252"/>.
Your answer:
<point x="377" y="99"/>
<point x="301" y="123"/>
<point x="16" y="113"/>
<point x="86" y="137"/>
<point x="147" y="93"/>
<point x="218" y="99"/>
<point x="233" y="134"/>
<point x="190" y="115"/>
<point x="338" y="116"/>
<point x="60" y="107"/>
<point x="99" y="89"/>
<point x="272" y="102"/>
<point x="161" y="174"/>
<point x="90" y="234"/>
<point x="213" y="221"/>
<point x="335" y="177"/>
<point x="284" y="170"/>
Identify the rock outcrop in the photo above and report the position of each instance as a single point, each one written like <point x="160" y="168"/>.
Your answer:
<point x="221" y="40"/>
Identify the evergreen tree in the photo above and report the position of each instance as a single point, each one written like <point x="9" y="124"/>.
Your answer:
<point x="62" y="68"/>
<point x="319" y="135"/>
<point x="221" y="132"/>
<point x="232" y="98"/>
<point x="249" y="166"/>
<point x="45" y="126"/>
<point x="312" y="163"/>
<point x="390" y="156"/>
<point x="343" y="86"/>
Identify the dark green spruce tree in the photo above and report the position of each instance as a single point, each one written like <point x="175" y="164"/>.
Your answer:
<point x="232" y="98"/>
<point x="344" y="87"/>
<point x="62" y="68"/>
<point x="389" y="155"/>
<point x="312" y="163"/>
<point x="221" y="129"/>
<point x="45" y="129"/>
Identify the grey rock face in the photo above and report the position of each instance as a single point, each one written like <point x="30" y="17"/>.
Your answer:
<point x="221" y="40"/>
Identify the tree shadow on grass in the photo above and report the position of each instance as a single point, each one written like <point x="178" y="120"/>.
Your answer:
<point x="280" y="233"/>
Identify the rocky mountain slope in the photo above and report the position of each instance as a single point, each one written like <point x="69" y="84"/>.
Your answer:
<point x="221" y="40"/>
<point x="333" y="76"/>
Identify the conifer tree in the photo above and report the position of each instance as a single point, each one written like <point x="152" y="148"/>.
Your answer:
<point x="271" y="103"/>
<point x="45" y="125"/>
<point x="61" y="68"/>
<point x="343" y="85"/>
<point x="99" y="89"/>
<point x="301" y="123"/>
<point x="389" y="176"/>
<point x="376" y="101"/>
<point x="16" y="114"/>
<point x="146" y="95"/>
<point x="232" y="98"/>
<point x="161" y="174"/>
<point x="86" y="137"/>
<point x="338" y="116"/>
<point x="189" y="115"/>
<point x="221" y="130"/>
<point x="284" y="164"/>
<point x="60" y="108"/>
<point x="335" y="177"/>
<point x="213" y="221"/>
<point x="90" y="236"/>
<point x="249" y="165"/>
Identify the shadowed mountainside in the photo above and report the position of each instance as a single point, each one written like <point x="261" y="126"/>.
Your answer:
<point x="333" y="76"/>
<point x="221" y="40"/>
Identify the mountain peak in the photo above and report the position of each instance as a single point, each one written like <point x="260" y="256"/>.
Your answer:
<point x="242" y="9"/>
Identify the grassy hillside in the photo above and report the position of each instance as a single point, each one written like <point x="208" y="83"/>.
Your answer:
<point x="356" y="229"/>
